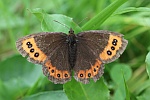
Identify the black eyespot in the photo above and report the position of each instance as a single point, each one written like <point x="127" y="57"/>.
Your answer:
<point x="89" y="74"/>
<point x="115" y="40"/>
<point x="97" y="66"/>
<point x="52" y="70"/>
<point x="69" y="31"/>
<point x="48" y="67"/>
<point x="66" y="75"/>
<point x="109" y="52"/>
<point x="114" y="43"/>
<point x="58" y="75"/>
<point x="31" y="50"/>
<point x="36" y="54"/>
<point x="112" y="48"/>
<point x="94" y="70"/>
<point x="28" y="43"/>
<point x="81" y="75"/>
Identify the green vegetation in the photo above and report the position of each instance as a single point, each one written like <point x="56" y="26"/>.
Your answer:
<point x="125" y="79"/>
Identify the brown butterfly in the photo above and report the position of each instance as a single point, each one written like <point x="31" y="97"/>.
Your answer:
<point x="84" y="53"/>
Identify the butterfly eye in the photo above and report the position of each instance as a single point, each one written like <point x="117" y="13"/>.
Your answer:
<point x="71" y="31"/>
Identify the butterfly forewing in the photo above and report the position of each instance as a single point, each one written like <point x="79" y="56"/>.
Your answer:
<point x="104" y="44"/>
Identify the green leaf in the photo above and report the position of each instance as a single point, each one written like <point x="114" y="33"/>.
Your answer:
<point x="51" y="95"/>
<point x="116" y="72"/>
<point x="16" y="76"/>
<point x="55" y="22"/>
<point x="147" y="60"/>
<point x="131" y="9"/>
<point x="126" y="88"/>
<point x="92" y="91"/>
<point x="118" y="78"/>
<point x="95" y="22"/>
<point x="142" y="87"/>
<point x="145" y="95"/>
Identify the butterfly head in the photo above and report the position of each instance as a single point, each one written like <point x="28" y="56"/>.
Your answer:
<point x="71" y="38"/>
<point x="71" y="31"/>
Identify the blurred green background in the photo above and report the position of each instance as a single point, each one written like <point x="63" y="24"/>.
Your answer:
<point x="126" y="78"/>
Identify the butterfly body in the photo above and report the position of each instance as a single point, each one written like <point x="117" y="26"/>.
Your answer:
<point x="72" y="47"/>
<point x="84" y="53"/>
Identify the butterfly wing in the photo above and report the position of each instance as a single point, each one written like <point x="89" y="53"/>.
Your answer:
<point x="49" y="50"/>
<point x="94" y="49"/>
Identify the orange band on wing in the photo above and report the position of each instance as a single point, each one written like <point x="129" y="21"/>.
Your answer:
<point x="34" y="52"/>
<point x="93" y="71"/>
<point x="114" y="44"/>
<point x="54" y="72"/>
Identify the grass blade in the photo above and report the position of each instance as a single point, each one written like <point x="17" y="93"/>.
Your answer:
<point x="95" y="22"/>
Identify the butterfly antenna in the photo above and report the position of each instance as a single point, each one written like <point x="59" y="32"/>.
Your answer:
<point x="61" y="23"/>
<point x="82" y="20"/>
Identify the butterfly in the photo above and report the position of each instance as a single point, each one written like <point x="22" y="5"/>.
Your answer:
<point x="84" y="53"/>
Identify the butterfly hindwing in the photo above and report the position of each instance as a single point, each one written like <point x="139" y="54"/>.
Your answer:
<point x="50" y="50"/>
<point x="87" y="64"/>
<point x="59" y="70"/>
